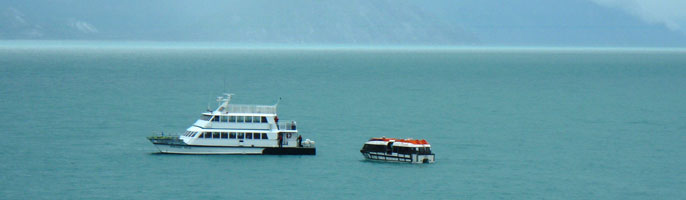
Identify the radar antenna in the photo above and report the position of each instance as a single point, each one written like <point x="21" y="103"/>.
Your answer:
<point x="277" y="102"/>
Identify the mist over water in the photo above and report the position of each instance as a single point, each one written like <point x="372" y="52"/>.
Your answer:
<point x="504" y="124"/>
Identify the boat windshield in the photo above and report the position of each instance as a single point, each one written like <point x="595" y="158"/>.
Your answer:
<point x="425" y="150"/>
<point x="206" y="117"/>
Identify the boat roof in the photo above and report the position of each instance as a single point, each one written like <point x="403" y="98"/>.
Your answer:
<point x="249" y="109"/>
<point x="408" y="140"/>
<point x="224" y="107"/>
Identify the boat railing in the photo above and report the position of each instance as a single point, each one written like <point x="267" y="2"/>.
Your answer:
<point x="262" y="109"/>
<point x="163" y="136"/>
<point x="289" y="125"/>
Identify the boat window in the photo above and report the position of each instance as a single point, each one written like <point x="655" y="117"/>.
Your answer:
<point x="256" y="119"/>
<point x="374" y="148"/>
<point x="241" y="135"/>
<point x="257" y="136"/>
<point x="241" y="119"/>
<point x="264" y="136"/>
<point x="224" y="119"/>
<point x="404" y="150"/>
<point x="232" y="119"/>
<point x="248" y="135"/>
<point x="215" y="135"/>
<point x="225" y="135"/>
<point x="206" y="117"/>
<point x="232" y="135"/>
<point x="424" y="150"/>
<point x="207" y="134"/>
<point x="248" y="119"/>
<point x="194" y="134"/>
<point x="264" y="119"/>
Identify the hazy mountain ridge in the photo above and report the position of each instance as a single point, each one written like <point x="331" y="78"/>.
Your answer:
<point x="354" y="22"/>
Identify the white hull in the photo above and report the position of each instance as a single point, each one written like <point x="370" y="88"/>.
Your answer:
<point x="405" y="158"/>
<point x="184" y="149"/>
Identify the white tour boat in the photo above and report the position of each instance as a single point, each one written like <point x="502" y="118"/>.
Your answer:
<point x="398" y="150"/>
<point x="237" y="129"/>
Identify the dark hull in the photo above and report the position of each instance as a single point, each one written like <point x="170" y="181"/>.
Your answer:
<point x="289" y="151"/>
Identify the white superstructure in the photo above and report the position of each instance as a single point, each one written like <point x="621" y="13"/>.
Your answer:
<point x="237" y="129"/>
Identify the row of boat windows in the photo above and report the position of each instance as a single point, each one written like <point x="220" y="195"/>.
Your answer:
<point x="228" y="135"/>
<point x="397" y="149"/>
<point x="235" y="119"/>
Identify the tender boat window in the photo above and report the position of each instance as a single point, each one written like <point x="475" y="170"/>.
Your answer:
<point x="241" y="119"/>
<point x="225" y="135"/>
<point x="264" y="136"/>
<point x="232" y="119"/>
<point x="224" y="118"/>
<point x="232" y="135"/>
<point x="257" y="136"/>
<point x="264" y="119"/>
<point x="241" y="135"/>
<point x="405" y="150"/>
<point x="248" y="135"/>
<point x="248" y="119"/>
<point x="425" y="150"/>
<point x="374" y="148"/>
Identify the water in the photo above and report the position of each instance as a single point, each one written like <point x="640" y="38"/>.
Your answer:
<point x="504" y="123"/>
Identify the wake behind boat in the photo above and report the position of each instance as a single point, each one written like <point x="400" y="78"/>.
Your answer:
<point x="237" y="129"/>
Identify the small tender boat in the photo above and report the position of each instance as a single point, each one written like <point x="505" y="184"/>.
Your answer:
<point x="398" y="150"/>
<point x="237" y="129"/>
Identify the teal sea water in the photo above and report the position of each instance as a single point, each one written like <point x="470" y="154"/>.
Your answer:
<point x="504" y="123"/>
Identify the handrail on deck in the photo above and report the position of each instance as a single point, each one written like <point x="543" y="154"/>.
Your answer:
<point x="262" y="109"/>
<point x="288" y="125"/>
